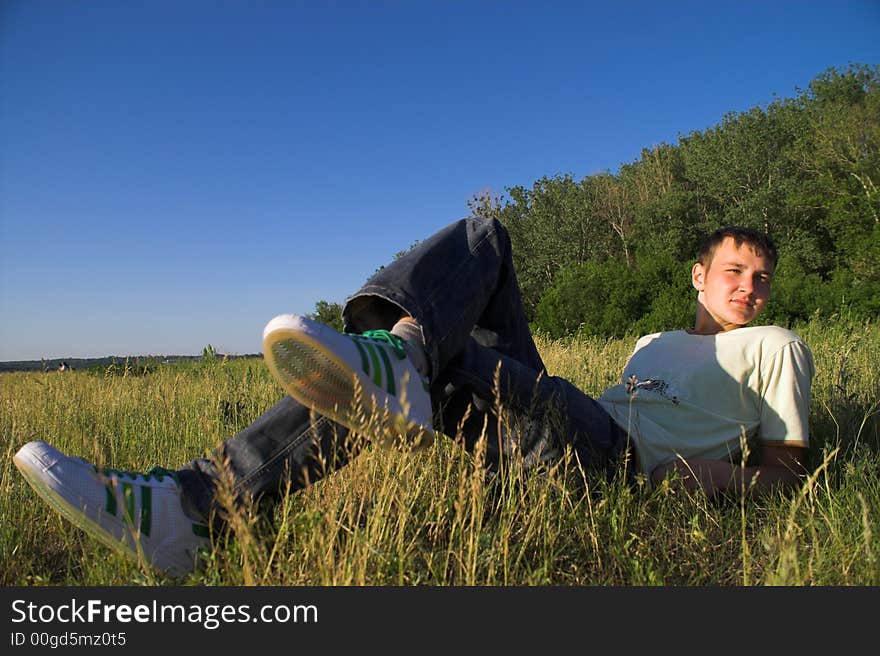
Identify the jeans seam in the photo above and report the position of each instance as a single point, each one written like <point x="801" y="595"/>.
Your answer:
<point x="454" y="275"/>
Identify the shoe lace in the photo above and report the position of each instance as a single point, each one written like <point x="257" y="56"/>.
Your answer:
<point x="398" y="344"/>
<point x="159" y="473"/>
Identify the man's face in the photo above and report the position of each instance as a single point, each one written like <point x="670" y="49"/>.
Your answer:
<point x="733" y="288"/>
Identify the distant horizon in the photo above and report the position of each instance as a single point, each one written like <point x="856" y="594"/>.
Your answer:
<point x="128" y="356"/>
<point x="48" y="365"/>
<point x="177" y="174"/>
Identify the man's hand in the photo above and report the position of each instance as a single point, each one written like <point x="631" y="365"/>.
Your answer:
<point x="780" y="466"/>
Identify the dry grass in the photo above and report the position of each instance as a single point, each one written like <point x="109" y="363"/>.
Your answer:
<point x="394" y="517"/>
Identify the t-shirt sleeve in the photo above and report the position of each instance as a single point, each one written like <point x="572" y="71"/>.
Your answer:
<point x="785" y="406"/>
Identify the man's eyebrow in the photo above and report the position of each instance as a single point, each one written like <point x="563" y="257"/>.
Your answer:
<point x="742" y="265"/>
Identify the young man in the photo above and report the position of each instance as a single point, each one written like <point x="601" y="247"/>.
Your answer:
<point x="432" y="341"/>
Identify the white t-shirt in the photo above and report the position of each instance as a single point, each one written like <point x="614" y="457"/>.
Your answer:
<point x="694" y="396"/>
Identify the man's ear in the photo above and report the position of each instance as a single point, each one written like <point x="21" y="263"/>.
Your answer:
<point x="698" y="275"/>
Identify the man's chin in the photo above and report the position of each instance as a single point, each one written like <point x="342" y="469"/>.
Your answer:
<point x="742" y="322"/>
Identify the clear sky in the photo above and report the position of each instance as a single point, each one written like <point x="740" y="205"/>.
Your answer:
<point x="176" y="173"/>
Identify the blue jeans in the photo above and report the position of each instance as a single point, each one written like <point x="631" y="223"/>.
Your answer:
<point x="460" y="285"/>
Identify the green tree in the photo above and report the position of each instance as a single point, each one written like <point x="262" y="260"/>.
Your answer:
<point x="330" y="314"/>
<point x="838" y="158"/>
<point x="553" y="225"/>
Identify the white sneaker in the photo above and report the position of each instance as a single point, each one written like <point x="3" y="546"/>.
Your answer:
<point x="139" y="515"/>
<point x="318" y="367"/>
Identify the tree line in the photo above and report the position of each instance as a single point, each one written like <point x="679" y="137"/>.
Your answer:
<point x="610" y="254"/>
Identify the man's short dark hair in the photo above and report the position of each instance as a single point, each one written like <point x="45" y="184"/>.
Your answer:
<point x="759" y="241"/>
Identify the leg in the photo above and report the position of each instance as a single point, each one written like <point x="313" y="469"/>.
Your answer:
<point x="461" y="287"/>
<point x="459" y="278"/>
<point x="543" y="414"/>
<point x="283" y="442"/>
<point x="286" y="443"/>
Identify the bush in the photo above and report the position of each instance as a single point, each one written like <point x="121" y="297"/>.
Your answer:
<point x="611" y="299"/>
<point x="330" y="314"/>
<point x="798" y="294"/>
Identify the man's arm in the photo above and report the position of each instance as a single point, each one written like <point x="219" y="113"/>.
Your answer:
<point x="780" y="466"/>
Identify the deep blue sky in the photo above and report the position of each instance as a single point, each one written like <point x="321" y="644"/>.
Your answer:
<point x="176" y="173"/>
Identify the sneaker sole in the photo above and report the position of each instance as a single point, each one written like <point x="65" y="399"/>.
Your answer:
<point x="70" y="512"/>
<point x="316" y="377"/>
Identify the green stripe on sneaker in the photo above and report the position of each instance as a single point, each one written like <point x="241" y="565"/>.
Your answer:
<point x="365" y="364"/>
<point x="377" y="375"/>
<point x="146" y="509"/>
<point x="128" y="500"/>
<point x="389" y="373"/>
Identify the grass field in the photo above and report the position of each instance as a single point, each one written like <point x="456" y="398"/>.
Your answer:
<point x="399" y="518"/>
